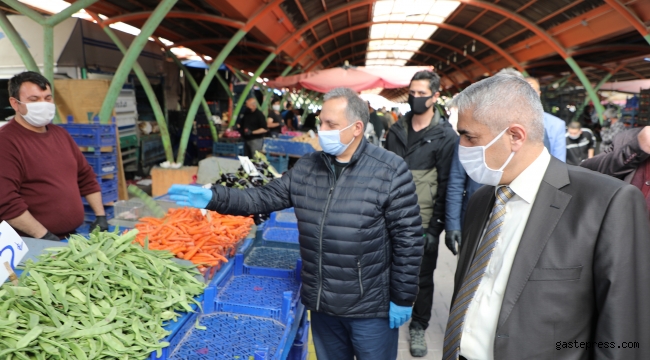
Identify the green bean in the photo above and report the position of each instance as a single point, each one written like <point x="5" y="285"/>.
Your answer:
<point x="80" y="354"/>
<point x="45" y="292"/>
<point x="31" y="336"/>
<point x="98" y="298"/>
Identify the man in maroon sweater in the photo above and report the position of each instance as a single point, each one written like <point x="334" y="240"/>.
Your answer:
<point x="42" y="172"/>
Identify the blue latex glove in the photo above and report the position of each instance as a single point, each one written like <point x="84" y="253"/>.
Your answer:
<point x="398" y="315"/>
<point x="194" y="196"/>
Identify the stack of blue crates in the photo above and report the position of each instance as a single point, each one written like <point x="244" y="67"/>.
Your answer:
<point x="94" y="137"/>
<point x="251" y="308"/>
<point x="246" y="317"/>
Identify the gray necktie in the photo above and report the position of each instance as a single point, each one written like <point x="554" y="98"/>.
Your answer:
<point x="473" y="278"/>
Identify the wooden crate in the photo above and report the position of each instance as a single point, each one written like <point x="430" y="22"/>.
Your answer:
<point x="162" y="179"/>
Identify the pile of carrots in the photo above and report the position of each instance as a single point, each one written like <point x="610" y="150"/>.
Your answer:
<point x="205" y="240"/>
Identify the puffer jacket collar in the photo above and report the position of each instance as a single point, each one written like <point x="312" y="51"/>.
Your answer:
<point x="355" y="157"/>
<point x="401" y="128"/>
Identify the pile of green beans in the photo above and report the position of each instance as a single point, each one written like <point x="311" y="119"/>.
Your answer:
<point x="98" y="298"/>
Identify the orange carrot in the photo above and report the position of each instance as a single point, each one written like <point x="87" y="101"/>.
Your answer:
<point x="205" y="240"/>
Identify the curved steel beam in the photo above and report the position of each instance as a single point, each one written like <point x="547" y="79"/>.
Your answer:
<point x="432" y="42"/>
<point x="588" y="64"/>
<point x="610" y="48"/>
<point x="142" y="15"/>
<point x="212" y="71"/>
<point x="416" y="52"/>
<point x="251" y="44"/>
<point x="551" y="41"/>
<point x="324" y="17"/>
<point x="560" y="62"/>
<point x="631" y="17"/>
<point x="445" y="26"/>
<point x="522" y="21"/>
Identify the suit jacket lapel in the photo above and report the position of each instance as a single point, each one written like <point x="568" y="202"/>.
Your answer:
<point x="475" y="222"/>
<point x="547" y="210"/>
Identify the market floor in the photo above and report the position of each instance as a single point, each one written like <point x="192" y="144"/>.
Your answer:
<point x="443" y="279"/>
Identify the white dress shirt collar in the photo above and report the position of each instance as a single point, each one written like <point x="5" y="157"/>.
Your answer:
<point x="527" y="183"/>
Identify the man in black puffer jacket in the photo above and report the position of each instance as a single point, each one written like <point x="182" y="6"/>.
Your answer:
<point x="360" y="232"/>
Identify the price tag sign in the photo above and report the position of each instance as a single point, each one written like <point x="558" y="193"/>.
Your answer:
<point x="248" y="166"/>
<point x="12" y="250"/>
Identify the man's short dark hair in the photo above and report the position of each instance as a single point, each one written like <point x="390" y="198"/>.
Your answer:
<point x="434" y="79"/>
<point x="575" y="125"/>
<point x="275" y="100"/>
<point x="289" y="105"/>
<point x="28" y="76"/>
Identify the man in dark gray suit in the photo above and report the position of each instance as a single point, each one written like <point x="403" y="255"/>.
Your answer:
<point x="555" y="259"/>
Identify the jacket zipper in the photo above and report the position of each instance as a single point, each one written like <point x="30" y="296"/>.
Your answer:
<point x="320" y="241"/>
<point x="320" y="250"/>
<point x="359" y="270"/>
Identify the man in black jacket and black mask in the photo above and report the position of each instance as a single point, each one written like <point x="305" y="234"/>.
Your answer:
<point x="360" y="232"/>
<point x="253" y="126"/>
<point x="426" y="141"/>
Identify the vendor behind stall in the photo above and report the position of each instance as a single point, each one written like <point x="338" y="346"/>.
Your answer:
<point x="253" y="126"/>
<point x="43" y="175"/>
<point x="274" y="120"/>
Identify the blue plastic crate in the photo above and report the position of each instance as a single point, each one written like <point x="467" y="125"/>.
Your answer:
<point x="89" y="214"/>
<point x="108" y="196"/>
<point x="281" y="234"/>
<point x="102" y="163"/>
<point x="300" y="347"/>
<point x="177" y="330"/>
<point x="107" y="185"/>
<point x="264" y="294"/>
<point x="229" y="336"/>
<point x="228" y="149"/>
<point x="280" y="163"/>
<point x="284" y="218"/>
<point x="257" y="295"/>
<point x="282" y="227"/>
<point x="272" y="257"/>
<point x="152" y="149"/>
<point x="279" y="146"/>
<point x="204" y="143"/>
<point x="92" y="135"/>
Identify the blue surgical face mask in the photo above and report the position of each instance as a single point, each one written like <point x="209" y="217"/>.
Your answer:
<point x="330" y="141"/>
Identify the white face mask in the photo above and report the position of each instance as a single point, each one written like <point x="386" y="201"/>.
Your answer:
<point x="39" y="114"/>
<point x="473" y="160"/>
<point x="276" y="107"/>
<point x="330" y="141"/>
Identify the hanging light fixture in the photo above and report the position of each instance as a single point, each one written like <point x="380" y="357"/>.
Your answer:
<point x="474" y="45"/>
<point x="454" y="57"/>
<point x="465" y="50"/>
<point x="447" y="60"/>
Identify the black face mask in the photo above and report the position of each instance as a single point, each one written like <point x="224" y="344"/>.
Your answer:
<point x="419" y="104"/>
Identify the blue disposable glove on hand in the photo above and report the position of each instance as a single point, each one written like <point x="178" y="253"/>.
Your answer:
<point x="398" y="315"/>
<point x="187" y="195"/>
